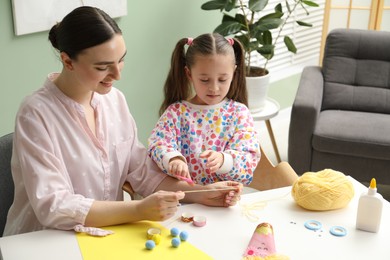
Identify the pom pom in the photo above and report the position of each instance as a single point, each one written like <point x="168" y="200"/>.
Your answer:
<point x="183" y="235"/>
<point x="175" y="232"/>
<point x="175" y="242"/>
<point x="150" y="244"/>
<point x="323" y="190"/>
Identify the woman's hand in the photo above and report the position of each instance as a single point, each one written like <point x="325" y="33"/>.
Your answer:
<point x="160" y="205"/>
<point x="214" y="160"/>
<point x="178" y="167"/>
<point x="220" y="198"/>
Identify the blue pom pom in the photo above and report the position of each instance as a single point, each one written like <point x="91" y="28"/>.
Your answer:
<point x="183" y="235"/>
<point x="175" y="232"/>
<point x="175" y="242"/>
<point x="150" y="244"/>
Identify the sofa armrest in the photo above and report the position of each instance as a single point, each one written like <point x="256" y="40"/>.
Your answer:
<point x="304" y="115"/>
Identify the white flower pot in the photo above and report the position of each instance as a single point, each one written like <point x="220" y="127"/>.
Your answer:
<point x="257" y="92"/>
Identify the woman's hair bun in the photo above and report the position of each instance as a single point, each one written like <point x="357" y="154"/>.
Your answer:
<point x="53" y="35"/>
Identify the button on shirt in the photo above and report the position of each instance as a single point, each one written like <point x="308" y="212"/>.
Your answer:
<point x="59" y="166"/>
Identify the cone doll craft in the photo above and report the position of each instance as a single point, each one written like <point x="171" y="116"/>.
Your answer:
<point x="262" y="245"/>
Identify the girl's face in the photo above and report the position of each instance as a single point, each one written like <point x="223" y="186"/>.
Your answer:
<point x="211" y="76"/>
<point x="96" y="68"/>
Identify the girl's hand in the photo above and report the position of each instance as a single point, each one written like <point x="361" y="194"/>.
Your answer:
<point x="177" y="167"/>
<point x="214" y="160"/>
<point x="221" y="198"/>
<point x="160" y="205"/>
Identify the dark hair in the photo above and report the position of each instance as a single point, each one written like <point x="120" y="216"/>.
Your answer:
<point x="177" y="86"/>
<point x="82" y="28"/>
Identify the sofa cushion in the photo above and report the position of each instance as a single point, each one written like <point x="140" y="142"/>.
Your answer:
<point x="359" y="134"/>
<point x="362" y="98"/>
<point x="356" y="70"/>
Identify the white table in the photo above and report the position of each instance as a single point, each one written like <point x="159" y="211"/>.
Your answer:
<point x="270" y="110"/>
<point x="228" y="231"/>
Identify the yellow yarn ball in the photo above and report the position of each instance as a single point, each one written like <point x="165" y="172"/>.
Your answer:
<point x="323" y="190"/>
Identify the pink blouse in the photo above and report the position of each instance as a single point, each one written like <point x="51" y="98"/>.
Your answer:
<point x="59" y="167"/>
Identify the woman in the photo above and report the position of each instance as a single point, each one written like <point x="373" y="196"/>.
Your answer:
<point x="75" y="142"/>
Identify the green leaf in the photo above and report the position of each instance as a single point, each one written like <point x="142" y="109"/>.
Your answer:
<point x="267" y="38"/>
<point x="267" y="51"/>
<point x="214" y="5"/>
<point x="228" y="28"/>
<point x="288" y="7"/>
<point x="228" y="18"/>
<point x="241" y="19"/>
<point x="278" y="8"/>
<point x="238" y="19"/>
<point x="310" y="3"/>
<point x="257" y="5"/>
<point x="304" y="24"/>
<point x="254" y="45"/>
<point x="290" y="44"/>
<point x="244" y="41"/>
<point x="271" y="15"/>
<point x="267" y="24"/>
<point x="230" y="5"/>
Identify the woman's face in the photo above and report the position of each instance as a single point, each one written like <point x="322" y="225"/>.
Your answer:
<point x="211" y="76"/>
<point x="96" y="68"/>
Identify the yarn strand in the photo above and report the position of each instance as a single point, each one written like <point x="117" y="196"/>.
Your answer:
<point x="248" y="208"/>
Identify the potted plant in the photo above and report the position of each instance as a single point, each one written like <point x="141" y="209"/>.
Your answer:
<point x="254" y="32"/>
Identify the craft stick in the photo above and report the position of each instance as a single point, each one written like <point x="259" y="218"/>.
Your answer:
<point x="222" y="189"/>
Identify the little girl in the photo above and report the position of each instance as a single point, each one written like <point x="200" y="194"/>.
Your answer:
<point x="206" y="136"/>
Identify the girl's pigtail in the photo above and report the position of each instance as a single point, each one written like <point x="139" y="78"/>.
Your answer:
<point x="238" y="88"/>
<point x="176" y="85"/>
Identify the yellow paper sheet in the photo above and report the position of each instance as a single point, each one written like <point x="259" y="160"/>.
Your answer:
<point x="128" y="242"/>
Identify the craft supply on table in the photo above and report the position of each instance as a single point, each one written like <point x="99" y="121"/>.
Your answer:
<point x="156" y="238"/>
<point x="199" y="221"/>
<point x="249" y="208"/>
<point x="129" y="242"/>
<point x="183" y="235"/>
<point x="187" y="217"/>
<point x="322" y="190"/>
<point x="313" y="225"/>
<point x="151" y="232"/>
<point x="150" y="244"/>
<point x="338" y="231"/>
<point x="175" y="242"/>
<point x="211" y="190"/>
<point x="369" y="212"/>
<point x="175" y="232"/>
<point x="262" y="244"/>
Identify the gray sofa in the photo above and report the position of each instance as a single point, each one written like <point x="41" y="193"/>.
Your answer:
<point x="340" y="118"/>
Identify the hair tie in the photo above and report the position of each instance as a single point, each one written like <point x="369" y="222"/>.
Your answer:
<point x="189" y="41"/>
<point x="231" y="41"/>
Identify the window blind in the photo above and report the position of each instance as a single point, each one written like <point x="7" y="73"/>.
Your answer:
<point x="306" y="39"/>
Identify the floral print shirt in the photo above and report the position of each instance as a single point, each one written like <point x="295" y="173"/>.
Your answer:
<point x="187" y="130"/>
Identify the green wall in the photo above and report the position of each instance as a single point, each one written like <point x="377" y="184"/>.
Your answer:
<point x="284" y="90"/>
<point x="151" y="30"/>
